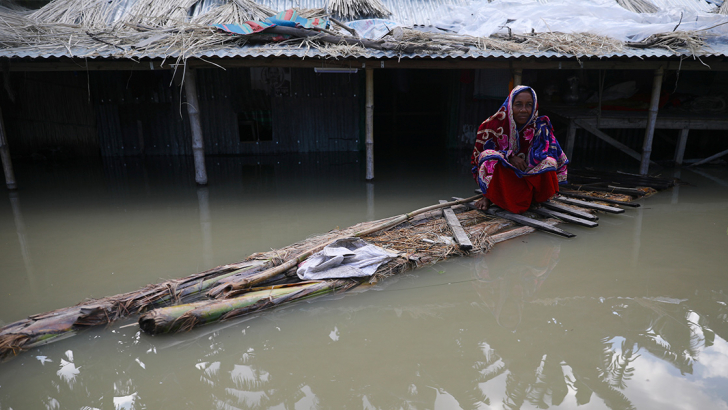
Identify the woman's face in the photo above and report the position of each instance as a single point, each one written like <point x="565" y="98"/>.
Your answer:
<point x="522" y="108"/>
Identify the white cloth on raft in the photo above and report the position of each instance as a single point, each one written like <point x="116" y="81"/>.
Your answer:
<point x="344" y="258"/>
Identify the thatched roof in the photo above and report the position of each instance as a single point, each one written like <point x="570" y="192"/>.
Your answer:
<point x="179" y="29"/>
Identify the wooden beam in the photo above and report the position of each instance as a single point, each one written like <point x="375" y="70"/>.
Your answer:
<point x="651" y="117"/>
<point x="568" y="210"/>
<point x="564" y="217"/>
<point x="526" y="221"/>
<point x="193" y="111"/>
<point x="680" y="148"/>
<point x="5" y="157"/>
<point x="711" y="158"/>
<point x="609" y="140"/>
<point x="585" y="204"/>
<point x="457" y="230"/>
<point x="370" y="124"/>
<point x="623" y="122"/>
<point x="571" y="194"/>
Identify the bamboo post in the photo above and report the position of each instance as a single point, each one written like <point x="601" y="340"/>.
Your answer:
<point x="680" y="149"/>
<point x="370" y="124"/>
<point x="570" y="138"/>
<point x="651" y="119"/>
<point x="517" y="77"/>
<point x="5" y="157"/>
<point x="193" y="110"/>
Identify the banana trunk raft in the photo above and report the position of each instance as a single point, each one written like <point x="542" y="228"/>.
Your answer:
<point x="266" y="280"/>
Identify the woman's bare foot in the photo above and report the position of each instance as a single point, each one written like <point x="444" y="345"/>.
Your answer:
<point x="482" y="203"/>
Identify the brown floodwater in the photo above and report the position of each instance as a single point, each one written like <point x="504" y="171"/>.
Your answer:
<point x="632" y="314"/>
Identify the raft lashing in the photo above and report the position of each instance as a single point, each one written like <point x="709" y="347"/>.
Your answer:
<point x="266" y="280"/>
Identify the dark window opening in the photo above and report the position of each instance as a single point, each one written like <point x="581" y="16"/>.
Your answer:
<point x="255" y="126"/>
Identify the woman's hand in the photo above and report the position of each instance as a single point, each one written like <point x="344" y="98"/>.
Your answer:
<point x="518" y="162"/>
<point x="482" y="203"/>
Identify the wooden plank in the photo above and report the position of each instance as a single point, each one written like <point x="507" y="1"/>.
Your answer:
<point x="457" y="230"/>
<point x="613" y="190"/>
<point x="526" y="221"/>
<point x="607" y="200"/>
<point x="565" y="209"/>
<point x="564" y="217"/>
<point x="585" y="204"/>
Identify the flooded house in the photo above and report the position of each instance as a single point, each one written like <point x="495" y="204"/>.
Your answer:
<point x="122" y="93"/>
<point x="146" y="140"/>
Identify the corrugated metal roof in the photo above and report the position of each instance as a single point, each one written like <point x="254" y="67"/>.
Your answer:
<point x="715" y="50"/>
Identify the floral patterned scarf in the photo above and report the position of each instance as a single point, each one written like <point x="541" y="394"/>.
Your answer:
<point x="498" y="139"/>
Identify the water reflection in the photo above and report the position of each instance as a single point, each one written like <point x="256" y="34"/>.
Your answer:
<point x="507" y="282"/>
<point x="540" y="322"/>
<point x="23" y="241"/>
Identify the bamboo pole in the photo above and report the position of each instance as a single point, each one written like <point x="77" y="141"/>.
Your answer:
<point x="5" y="157"/>
<point x="680" y="148"/>
<point x="370" y="123"/>
<point x="570" y="138"/>
<point x="651" y="119"/>
<point x="225" y="289"/>
<point x="517" y="77"/>
<point x="193" y="110"/>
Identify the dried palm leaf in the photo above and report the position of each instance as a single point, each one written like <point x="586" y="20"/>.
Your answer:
<point x="353" y="9"/>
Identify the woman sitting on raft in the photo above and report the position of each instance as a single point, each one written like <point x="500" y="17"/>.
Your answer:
<point x="517" y="160"/>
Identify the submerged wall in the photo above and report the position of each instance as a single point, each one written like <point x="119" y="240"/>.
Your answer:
<point x="243" y="111"/>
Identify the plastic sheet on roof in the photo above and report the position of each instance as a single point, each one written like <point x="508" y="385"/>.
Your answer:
<point x="603" y="17"/>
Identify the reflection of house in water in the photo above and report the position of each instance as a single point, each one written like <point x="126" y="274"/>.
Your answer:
<point x="590" y="345"/>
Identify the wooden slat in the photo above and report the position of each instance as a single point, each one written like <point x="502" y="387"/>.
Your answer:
<point x="564" y="217"/>
<point x="585" y="204"/>
<point x="591" y="198"/>
<point x="457" y="230"/>
<point x="565" y="209"/>
<point x="523" y="220"/>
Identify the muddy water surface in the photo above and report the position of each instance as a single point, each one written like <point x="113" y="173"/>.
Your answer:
<point x="632" y="314"/>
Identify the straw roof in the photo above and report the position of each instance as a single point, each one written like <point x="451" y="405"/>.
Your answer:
<point x="179" y="29"/>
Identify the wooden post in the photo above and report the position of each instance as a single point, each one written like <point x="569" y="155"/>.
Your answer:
<point x="5" y="157"/>
<point x="193" y="110"/>
<point x="651" y="118"/>
<point x="680" y="148"/>
<point x="570" y="138"/>
<point x="370" y="124"/>
<point x="517" y="77"/>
